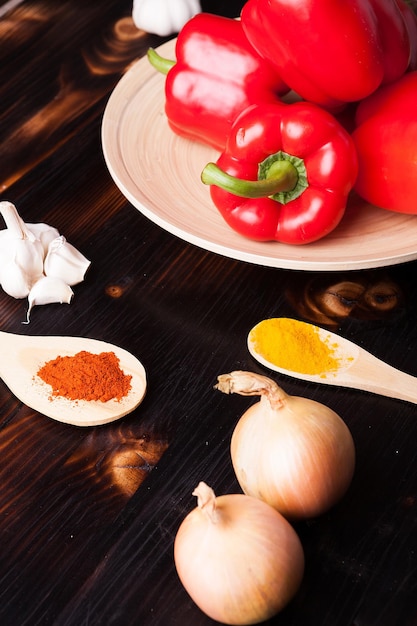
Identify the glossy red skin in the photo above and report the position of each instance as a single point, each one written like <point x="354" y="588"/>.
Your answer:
<point x="330" y="51"/>
<point x="217" y="75"/>
<point x="386" y="143"/>
<point x="399" y="98"/>
<point x="394" y="37"/>
<point x="410" y="20"/>
<point x="303" y="130"/>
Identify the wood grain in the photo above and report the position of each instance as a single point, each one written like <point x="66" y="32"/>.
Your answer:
<point x="88" y="516"/>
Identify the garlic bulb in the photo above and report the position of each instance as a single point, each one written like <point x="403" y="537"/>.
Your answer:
<point x="163" y="17"/>
<point x="30" y="253"/>
<point x="237" y="557"/>
<point x="22" y="255"/>
<point x="48" y="290"/>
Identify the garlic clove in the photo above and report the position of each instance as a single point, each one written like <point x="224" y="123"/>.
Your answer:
<point x="22" y="254"/>
<point x="44" y="233"/>
<point x="65" y="262"/>
<point x="48" y="290"/>
<point x="14" y="280"/>
<point x="28" y="255"/>
<point x="5" y="247"/>
<point x="21" y="266"/>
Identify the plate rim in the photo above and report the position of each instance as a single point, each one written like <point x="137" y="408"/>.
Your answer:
<point x="130" y="84"/>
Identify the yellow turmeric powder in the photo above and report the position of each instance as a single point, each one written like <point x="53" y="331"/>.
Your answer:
<point x="294" y="346"/>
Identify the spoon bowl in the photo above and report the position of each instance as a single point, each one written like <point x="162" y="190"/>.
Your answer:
<point x="356" y="368"/>
<point x="21" y="356"/>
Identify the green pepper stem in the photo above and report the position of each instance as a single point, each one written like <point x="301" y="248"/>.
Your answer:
<point x="283" y="176"/>
<point x="159" y="63"/>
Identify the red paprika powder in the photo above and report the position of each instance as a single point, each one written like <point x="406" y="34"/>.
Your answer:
<point x="86" y="376"/>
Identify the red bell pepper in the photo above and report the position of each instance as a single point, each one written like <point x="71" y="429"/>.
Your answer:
<point x="216" y="76"/>
<point x="386" y="143"/>
<point x="410" y="19"/>
<point x="285" y="174"/>
<point x="330" y="51"/>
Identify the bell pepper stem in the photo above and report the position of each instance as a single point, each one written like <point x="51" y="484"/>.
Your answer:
<point x="282" y="177"/>
<point x="158" y="62"/>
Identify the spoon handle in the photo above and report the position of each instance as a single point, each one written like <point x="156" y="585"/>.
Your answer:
<point x="372" y="374"/>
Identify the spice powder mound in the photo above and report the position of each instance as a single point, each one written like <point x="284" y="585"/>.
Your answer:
<point x="86" y="376"/>
<point x="294" y="346"/>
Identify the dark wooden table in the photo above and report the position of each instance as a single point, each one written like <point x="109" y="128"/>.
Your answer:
<point x="88" y="515"/>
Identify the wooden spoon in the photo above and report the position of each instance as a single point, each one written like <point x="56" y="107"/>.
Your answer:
<point x="357" y="368"/>
<point x="21" y="356"/>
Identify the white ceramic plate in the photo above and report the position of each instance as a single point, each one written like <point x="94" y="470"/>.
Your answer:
<point x="159" y="173"/>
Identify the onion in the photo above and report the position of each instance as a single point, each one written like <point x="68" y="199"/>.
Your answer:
<point x="238" y="558"/>
<point x="294" y="453"/>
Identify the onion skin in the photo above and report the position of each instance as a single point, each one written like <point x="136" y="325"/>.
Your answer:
<point x="294" y="453"/>
<point x="238" y="558"/>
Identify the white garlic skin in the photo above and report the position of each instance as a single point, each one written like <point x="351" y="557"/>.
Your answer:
<point x="65" y="262"/>
<point x="23" y="267"/>
<point x="15" y="282"/>
<point x="44" y="233"/>
<point x="36" y="261"/>
<point x="49" y="290"/>
<point x="163" y="17"/>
